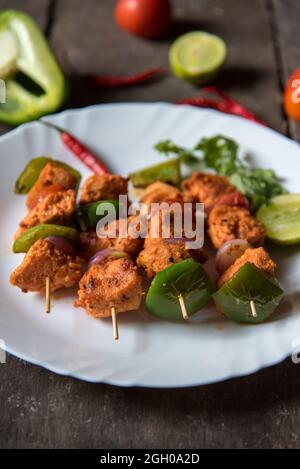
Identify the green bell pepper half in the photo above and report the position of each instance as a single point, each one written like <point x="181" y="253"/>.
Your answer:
<point x="187" y="278"/>
<point x="249" y="283"/>
<point x="32" y="170"/>
<point x="24" y="242"/>
<point x="35" y="84"/>
<point x="88" y="215"/>
<point x="168" y="171"/>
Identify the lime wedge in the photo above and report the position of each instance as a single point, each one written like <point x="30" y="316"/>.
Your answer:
<point x="197" y="56"/>
<point x="9" y="54"/>
<point x="281" y="219"/>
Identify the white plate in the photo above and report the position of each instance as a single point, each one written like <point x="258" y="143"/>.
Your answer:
<point x="150" y="352"/>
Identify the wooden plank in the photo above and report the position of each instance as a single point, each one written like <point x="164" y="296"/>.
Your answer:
<point x="286" y="19"/>
<point x="87" y="41"/>
<point x="38" y="10"/>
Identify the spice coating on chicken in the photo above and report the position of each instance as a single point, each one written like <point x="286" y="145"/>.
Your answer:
<point x="103" y="186"/>
<point x="90" y="242"/>
<point x="160" y="253"/>
<point x="259" y="257"/>
<point x="51" y="175"/>
<point x="45" y="260"/>
<point x="160" y="192"/>
<point x="206" y="188"/>
<point x="227" y="223"/>
<point x="56" y="208"/>
<point x="112" y="283"/>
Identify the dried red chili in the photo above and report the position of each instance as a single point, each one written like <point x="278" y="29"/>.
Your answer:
<point x="114" y="81"/>
<point x="80" y="150"/>
<point x="224" y="104"/>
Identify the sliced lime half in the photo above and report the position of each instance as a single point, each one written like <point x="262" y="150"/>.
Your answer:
<point x="197" y="56"/>
<point x="281" y="219"/>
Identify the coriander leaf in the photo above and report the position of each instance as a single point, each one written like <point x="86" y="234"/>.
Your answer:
<point x="220" y="153"/>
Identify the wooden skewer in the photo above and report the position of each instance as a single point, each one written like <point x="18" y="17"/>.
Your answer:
<point x="253" y="309"/>
<point x="183" y="308"/>
<point x="48" y="296"/>
<point x="115" y="323"/>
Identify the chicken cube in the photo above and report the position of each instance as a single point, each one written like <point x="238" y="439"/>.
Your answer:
<point x="259" y="257"/>
<point x="103" y="186"/>
<point x="159" y="253"/>
<point x="45" y="260"/>
<point x="56" y="208"/>
<point x="52" y="175"/>
<point x="160" y="192"/>
<point x="206" y="188"/>
<point x="228" y="222"/>
<point x="91" y="243"/>
<point x="112" y="283"/>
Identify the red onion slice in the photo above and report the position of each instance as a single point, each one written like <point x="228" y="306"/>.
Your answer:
<point x="229" y="253"/>
<point x="100" y="256"/>
<point x="62" y="243"/>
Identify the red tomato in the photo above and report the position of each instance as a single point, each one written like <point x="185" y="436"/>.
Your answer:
<point x="292" y="96"/>
<point x="146" y="18"/>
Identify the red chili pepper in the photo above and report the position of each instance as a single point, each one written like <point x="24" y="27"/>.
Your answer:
<point x="80" y="150"/>
<point x="224" y="104"/>
<point x="107" y="81"/>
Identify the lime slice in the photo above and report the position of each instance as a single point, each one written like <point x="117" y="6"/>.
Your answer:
<point x="8" y="56"/>
<point x="197" y="56"/>
<point x="281" y="219"/>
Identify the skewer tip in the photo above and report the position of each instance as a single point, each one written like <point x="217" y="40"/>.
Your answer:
<point x="183" y="308"/>
<point x="48" y="296"/>
<point x="253" y="309"/>
<point x="115" y="323"/>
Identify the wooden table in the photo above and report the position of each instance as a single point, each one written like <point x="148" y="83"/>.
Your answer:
<point x="40" y="409"/>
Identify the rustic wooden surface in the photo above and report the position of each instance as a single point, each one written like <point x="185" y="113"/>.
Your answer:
<point x="39" y="409"/>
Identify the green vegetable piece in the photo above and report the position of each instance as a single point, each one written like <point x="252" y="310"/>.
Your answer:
<point x="281" y="219"/>
<point x="220" y="154"/>
<point x="249" y="283"/>
<point x="88" y="215"/>
<point x="187" y="278"/>
<point x="168" y="171"/>
<point x="35" y="84"/>
<point x="32" y="170"/>
<point x="29" y="237"/>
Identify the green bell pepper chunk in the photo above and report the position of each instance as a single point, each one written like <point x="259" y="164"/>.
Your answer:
<point x="168" y="171"/>
<point x="187" y="278"/>
<point x="32" y="170"/>
<point x="24" y="242"/>
<point x="249" y="283"/>
<point x="35" y="84"/>
<point x="88" y="215"/>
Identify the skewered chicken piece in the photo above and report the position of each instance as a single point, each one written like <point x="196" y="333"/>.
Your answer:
<point x="52" y="178"/>
<point x="90" y="242"/>
<point x="44" y="260"/>
<point x="259" y="257"/>
<point x="56" y="208"/>
<point x="207" y="189"/>
<point x="159" y="253"/>
<point x="111" y="285"/>
<point x="103" y="186"/>
<point x="160" y="192"/>
<point x="226" y="223"/>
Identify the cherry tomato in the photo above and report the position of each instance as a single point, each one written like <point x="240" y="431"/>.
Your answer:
<point x="146" y="18"/>
<point x="292" y="96"/>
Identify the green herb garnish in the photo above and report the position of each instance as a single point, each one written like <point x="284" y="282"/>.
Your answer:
<point x="220" y="154"/>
